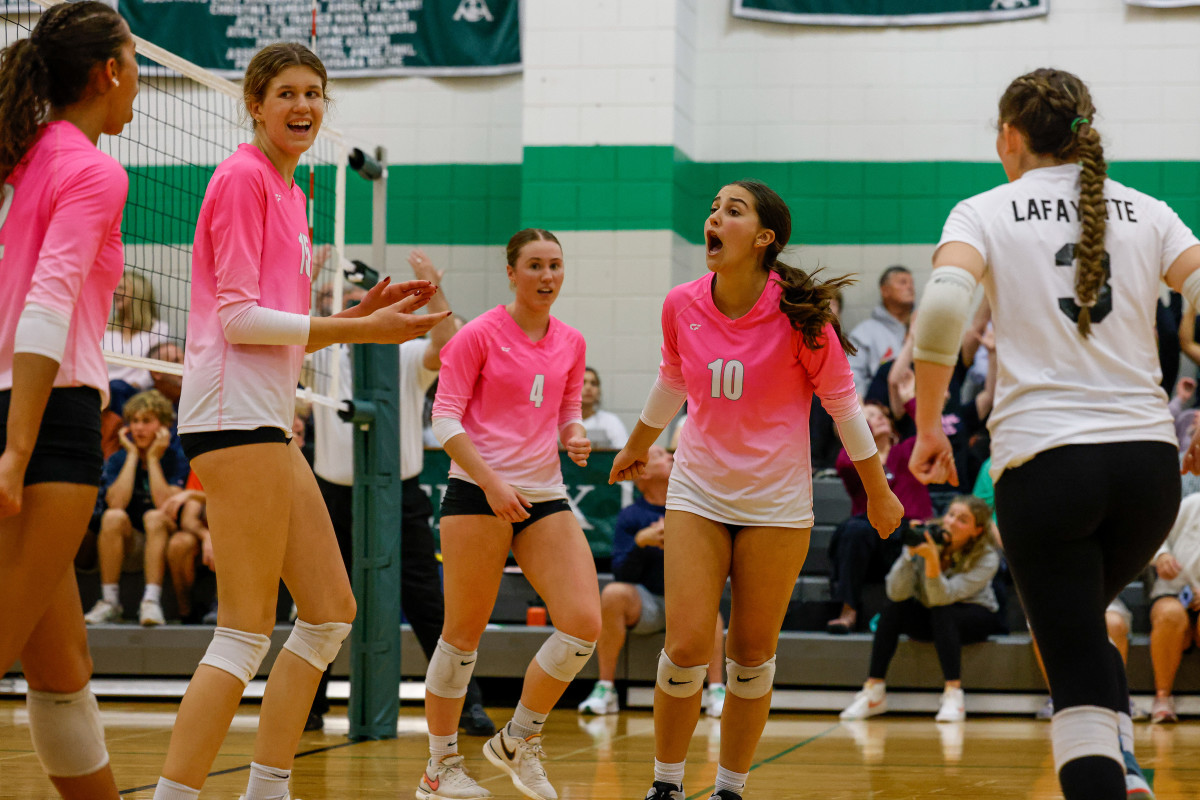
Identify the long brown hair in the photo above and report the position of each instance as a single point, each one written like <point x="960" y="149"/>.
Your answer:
<point x="805" y="300"/>
<point x="524" y="237"/>
<point x="1054" y="110"/>
<point x="52" y="68"/>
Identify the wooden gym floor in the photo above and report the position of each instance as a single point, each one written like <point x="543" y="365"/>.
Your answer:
<point x="609" y="758"/>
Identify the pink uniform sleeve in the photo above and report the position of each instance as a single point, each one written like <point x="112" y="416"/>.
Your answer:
<point x="86" y="208"/>
<point x="571" y="408"/>
<point x="670" y="369"/>
<point x="462" y="361"/>
<point x="237" y="229"/>
<point x="829" y="371"/>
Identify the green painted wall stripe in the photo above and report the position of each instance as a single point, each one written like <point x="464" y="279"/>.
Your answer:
<point x="635" y="188"/>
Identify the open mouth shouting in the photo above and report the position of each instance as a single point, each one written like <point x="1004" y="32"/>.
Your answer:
<point x="300" y="126"/>
<point x="714" y="243"/>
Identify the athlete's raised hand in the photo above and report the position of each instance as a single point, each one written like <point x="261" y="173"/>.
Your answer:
<point x="932" y="459"/>
<point x="508" y="504"/>
<point x="396" y="323"/>
<point x="628" y="465"/>
<point x="12" y="483"/>
<point x="385" y="293"/>
<point x="579" y="448"/>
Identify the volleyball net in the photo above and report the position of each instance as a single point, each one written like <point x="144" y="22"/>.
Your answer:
<point x="186" y="120"/>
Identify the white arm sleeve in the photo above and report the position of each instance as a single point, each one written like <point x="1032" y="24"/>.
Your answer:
<point x="1190" y="289"/>
<point x="253" y="324"/>
<point x="856" y="436"/>
<point x="42" y="331"/>
<point x="943" y="316"/>
<point x="446" y="428"/>
<point x="662" y="405"/>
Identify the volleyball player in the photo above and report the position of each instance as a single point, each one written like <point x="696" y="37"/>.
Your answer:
<point x="248" y="329"/>
<point x="73" y="79"/>
<point x="747" y="346"/>
<point x="508" y="391"/>
<point x="1083" y="446"/>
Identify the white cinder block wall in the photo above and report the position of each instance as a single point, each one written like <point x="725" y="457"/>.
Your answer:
<point x="684" y="74"/>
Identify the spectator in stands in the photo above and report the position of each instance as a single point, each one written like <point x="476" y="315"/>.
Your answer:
<point x="939" y="592"/>
<point x="633" y="602"/>
<point x="136" y="482"/>
<point x="168" y="383"/>
<point x="134" y="329"/>
<point x="190" y="547"/>
<point x="857" y="555"/>
<point x="604" y="428"/>
<point x="1175" y="605"/>
<point x="879" y="337"/>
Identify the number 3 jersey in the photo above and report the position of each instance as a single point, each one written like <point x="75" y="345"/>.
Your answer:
<point x="512" y="396"/>
<point x="1054" y="387"/>
<point x="251" y="248"/>
<point x="744" y="454"/>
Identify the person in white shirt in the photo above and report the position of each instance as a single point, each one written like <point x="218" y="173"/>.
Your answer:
<point x="604" y="428"/>
<point x="1174" y="605"/>
<point x="1083" y="446"/>
<point x="878" y="337"/>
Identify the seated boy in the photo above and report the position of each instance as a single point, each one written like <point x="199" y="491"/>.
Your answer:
<point x="137" y="480"/>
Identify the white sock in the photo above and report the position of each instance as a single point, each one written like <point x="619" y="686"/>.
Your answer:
<point x="1125" y="731"/>
<point x="442" y="746"/>
<point x="170" y="790"/>
<point x="153" y="593"/>
<point x="730" y="780"/>
<point x="267" y="783"/>
<point x="111" y="593"/>
<point x="669" y="773"/>
<point x="605" y="684"/>
<point x="525" y="723"/>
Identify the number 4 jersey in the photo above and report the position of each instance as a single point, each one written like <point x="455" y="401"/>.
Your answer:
<point x="744" y="454"/>
<point x="512" y="397"/>
<point x="1055" y="387"/>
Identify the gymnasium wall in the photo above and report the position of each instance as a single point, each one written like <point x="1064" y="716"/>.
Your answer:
<point x="630" y="115"/>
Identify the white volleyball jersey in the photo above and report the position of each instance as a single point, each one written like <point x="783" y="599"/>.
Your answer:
<point x="1055" y="387"/>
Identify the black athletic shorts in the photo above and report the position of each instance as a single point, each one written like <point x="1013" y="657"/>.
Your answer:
<point x="464" y="498"/>
<point x="197" y="444"/>
<point x="67" y="449"/>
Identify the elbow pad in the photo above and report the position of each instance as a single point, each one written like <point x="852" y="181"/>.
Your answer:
<point x="42" y="331"/>
<point x="943" y="316"/>
<point x="253" y="324"/>
<point x="662" y="405"/>
<point x="446" y="428"/>
<point x="856" y="436"/>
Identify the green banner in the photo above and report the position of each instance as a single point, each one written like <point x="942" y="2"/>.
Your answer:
<point x="355" y="38"/>
<point x="888" y="12"/>
<point x="594" y="502"/>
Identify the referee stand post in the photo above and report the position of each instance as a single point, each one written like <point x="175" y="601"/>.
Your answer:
<point x="377" y="500"/>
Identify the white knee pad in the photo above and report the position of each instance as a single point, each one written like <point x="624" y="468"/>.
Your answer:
<point x="237" y="652"/>
<point x="317" y="644"/>
<point x="562" y="656"/>
<point x="1081" y="731"/>
<point x="749" y="683"/>
<point x="450" y="670"/>
<point x="679" y="681"/>
<point x="67" y="735"/>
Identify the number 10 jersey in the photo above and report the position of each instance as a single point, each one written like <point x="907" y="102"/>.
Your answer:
<point x="1054" y="387"/>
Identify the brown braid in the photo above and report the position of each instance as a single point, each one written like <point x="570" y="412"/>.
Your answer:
<point x="805" y="301"/>
<point x="1054" y="110"/>
<point x="52" y="68"/>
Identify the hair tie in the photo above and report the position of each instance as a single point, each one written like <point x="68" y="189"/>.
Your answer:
<point x="1075" y="123"/>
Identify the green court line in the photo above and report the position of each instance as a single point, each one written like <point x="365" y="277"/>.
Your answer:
<point x="776" y="757"/>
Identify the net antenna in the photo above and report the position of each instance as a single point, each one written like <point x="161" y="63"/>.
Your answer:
<point x="186" y="121"/>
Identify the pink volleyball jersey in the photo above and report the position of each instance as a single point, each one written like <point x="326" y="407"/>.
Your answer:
<point x="252" y="246"/>
<point x="60" y="247"/>
<point x="512" y="396"/>
<point x="743" y="457"/>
